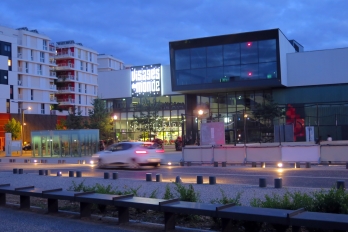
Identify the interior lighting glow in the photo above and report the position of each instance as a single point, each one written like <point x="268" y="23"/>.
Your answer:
<point x="169" y="163"/>
<point x="280" y="165"/>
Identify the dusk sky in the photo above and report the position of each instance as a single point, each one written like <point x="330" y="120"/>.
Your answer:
<point x="138" y="32"/>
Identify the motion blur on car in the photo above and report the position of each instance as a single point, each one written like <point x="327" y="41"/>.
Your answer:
<point x="130" y="155"/>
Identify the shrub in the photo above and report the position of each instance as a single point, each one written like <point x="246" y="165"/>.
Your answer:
<point x="167" y="193"/>
<point x="226" y="200"/>
<point x="333" y="201"/>
<point x="186" y="194"/>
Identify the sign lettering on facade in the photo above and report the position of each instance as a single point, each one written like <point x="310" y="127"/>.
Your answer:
<point x="146" y="80"/>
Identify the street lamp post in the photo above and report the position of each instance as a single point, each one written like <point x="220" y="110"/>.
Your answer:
<point x="115" y="118"/>
<point x="22" y="135"/>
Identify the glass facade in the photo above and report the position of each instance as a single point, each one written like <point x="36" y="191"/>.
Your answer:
<point x="167" y="126"/>
<point x="64" y="143"/>
<point x="226" y="63"/>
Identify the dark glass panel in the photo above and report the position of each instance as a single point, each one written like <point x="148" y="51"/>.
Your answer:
<point x="198" y="76"/>
<point x="231" y="54"/>
<point x="249" y="52"/>
<point x="183" y="77"/>
<point x="214" y="56"/>
<point x="198" y="57"/>
<point x="214" y="75"/>
<point x="267" y="50"/>
<point x="249" y="72"/>
<point x="268" y="70"/>
<point x="231" y="73"/>
<point x="182" y="59"/>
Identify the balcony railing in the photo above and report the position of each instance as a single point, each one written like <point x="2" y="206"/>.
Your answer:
<point x="44" y="48"/>
<point x="66" y="89"/>
<point x="54" y="87"/>
<point x="39" y="72"/>
<point x="53" y="62"/>
<point x="19" y="55"/>
<point x="64" y="54"/>
<point x="65" y="66"/>
<point x="53" y="74"/>
<point x="53" y="99"/>
<point x="62" y="78"/>
<point x="66" y="101"/>
<point x="20" y="97"/>
<point x="20" y="69"/>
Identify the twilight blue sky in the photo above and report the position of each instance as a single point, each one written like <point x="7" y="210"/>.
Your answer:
<point x="138" y="31"/>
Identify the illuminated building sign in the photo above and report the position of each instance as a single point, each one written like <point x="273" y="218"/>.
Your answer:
<point x="146" y="80"/>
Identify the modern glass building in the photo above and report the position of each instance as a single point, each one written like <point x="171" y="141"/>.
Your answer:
<point x="64" y="143"/>
<point x="226" y="77"/>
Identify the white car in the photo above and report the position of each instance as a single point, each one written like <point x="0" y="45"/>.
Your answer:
<point x="129" y="154"/>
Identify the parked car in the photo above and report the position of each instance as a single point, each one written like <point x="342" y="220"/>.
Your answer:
<point x="26" y="147"/>
<point x="129" y="154"/>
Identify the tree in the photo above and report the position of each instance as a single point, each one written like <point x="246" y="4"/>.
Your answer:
<point x="148" y="121"/>
<point x="61" y="125"/>
<point x="267" y="111"/>
<point x="13" y="127"/>
<point x="100" y="118"/>
<point x="75" y="120"/>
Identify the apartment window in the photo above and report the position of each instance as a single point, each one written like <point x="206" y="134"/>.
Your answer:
<point x="77" y="76"/>
<point x="44" y="45"/>
<point x="7" y="106"/>
<point x="86" y="67"/>
<point x="79" y="88"/>
<point x="95" y="90"/>
<point x="90" y="56"/>
<point x="7" y="48"/>
<point x="42" y="108"/>
<point x="26" y="67"/>
<point x="19" y="53"/>
<point x="85" y="88"/>
<point x="79" y="99"/>
<point x="31" y="55"/>
<point x="86" y="55"/>
<point x="79" y="53"/>
<point x="92" y="68"/>
<point x="3" y="77"/>
<point x="31" y="94"/>
<point x="11" y="91"/>
<point x="109" y="63"/>
<point x="39" y="69"/>
<point x="42" y="57"/>
<point x="81" y="65"/>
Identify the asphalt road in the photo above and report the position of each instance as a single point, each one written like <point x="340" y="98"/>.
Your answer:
<point x="314" y="177"/>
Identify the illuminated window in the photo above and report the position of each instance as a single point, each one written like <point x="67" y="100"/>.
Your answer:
<point x="9" y="63"/>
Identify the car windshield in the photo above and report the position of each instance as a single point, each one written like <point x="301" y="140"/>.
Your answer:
<point x="148" y="145"/>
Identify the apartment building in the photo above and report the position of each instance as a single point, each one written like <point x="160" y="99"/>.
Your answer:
<point x="109" y="63"/>
<point x="77" y="73"/>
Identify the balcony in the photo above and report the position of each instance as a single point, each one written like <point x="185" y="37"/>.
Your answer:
<point x="53" y="99"/>
<point x="39" y="72"/>
<point x="23" y="70"/>
<point x="20" y="97"/>
<point x="19" y="56"/>
<point x="53" y="62"/>
<point x="54" y="87"/>
<point x="53" y="74"/>
<point x="64" y="66"/>
<point x="64" y="54"/>
<point x="63" y="78"/>
<point x="66" y="101"/>
<point x="20" y="83"/>
<point x="66" y="90"/>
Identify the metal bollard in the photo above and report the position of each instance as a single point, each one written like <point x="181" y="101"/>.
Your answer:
<point x="115" y="175"/>
<point x="341" y="184"/>
<point x="15" y="171"/>
<point x="59" y="173"/>
<point x="223" y="164"/>
<point x="308" y="165"/>
<point x="262" y="183"/>
<point x="20" y="171"/>
<point x="216" y="164"/>
<point x="199" y="179"/>
<point x="106" y="175"/>
<point x="158" y="177"/>
<point x="278" y="183"/>
<point x="253" y="164"/>
<point x="178" y="179"/>
<point x="189" y="163"/>
<point x="79" y="162"/>
<point x="41" y="172"/>
<point x="71" y="173"/>
<point x="148" y="176"/>
<point x="47" y="172"/>
<point x="263" y="164"/>
<point x="212" y="180"/>
<point x="181" y="163"/>
<point x="78" y="174"/>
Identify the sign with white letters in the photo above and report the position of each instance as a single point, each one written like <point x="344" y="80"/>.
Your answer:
<point x="146" y="80"/>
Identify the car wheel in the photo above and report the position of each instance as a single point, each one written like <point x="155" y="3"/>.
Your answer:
<point x="133" y="164"/>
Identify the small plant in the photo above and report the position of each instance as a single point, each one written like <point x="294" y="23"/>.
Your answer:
<point x="167" y="193"/>
<point x="226" y="200"/>
<point x="333" y="201"/>
<point x="187" y="194"/>
<point x="154" y="193"/>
